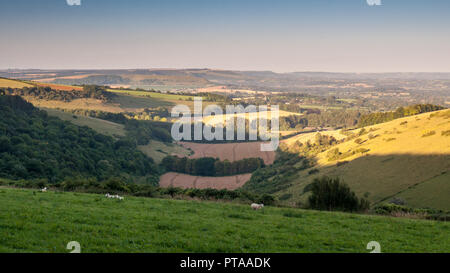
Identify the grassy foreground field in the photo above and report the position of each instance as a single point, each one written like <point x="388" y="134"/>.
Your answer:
<point x="32" y="221"/>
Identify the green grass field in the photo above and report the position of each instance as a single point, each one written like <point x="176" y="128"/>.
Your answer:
<point x="158" y="150"/>
<point x="101" y="126"/>
<point x="31" y="221"/>
<point x="155" y="95"/>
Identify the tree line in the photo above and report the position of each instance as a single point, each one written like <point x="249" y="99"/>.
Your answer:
<point x="208" y="166"/>
<point x="47" y="93"/>
<point x="381" y="117"/>
<point x="115" y="185"/>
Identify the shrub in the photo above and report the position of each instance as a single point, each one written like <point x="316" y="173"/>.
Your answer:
<point x="358" y="141"/>
<point x="267" y="200"/>
<point x="331" y="194"/>
<point x="341" y="163"/>
<point x="430" y="133"/>
<point x="445" y="133"/>
<point x="285" y="196"/>
<point x="398" y="201"/>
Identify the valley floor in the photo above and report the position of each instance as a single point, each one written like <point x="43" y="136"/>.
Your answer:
<point x="32" y="221"/>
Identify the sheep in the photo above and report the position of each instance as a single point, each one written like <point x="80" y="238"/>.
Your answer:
<point x="257" y="206"/>
<point x="44" y="189"/>
<point x="114" y="196"/>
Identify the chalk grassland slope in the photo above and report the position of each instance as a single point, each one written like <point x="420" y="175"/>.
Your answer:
<point x="46" y="222"/>
<point x="101" y="126"/>
<point x="158" y="150"/>
<point x="5" y="83"/>
<point x="178" y="180"/>
<point x="408" y="157"/>
<point x="230" y="151"/>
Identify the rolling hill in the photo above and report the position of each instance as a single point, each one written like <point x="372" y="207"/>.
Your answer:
<point x="32" y="221"/>
<point x="7" y="83"/>
<point x="408" y="158"/>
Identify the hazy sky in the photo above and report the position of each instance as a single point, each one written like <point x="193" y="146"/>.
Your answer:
<point x="277" y="35"/>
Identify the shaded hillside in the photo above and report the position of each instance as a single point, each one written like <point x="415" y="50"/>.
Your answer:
<point x="35" y="145"/>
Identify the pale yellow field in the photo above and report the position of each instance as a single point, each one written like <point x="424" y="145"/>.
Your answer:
<point x="5" y="83"/>
<point x="218" y="119"/>
<point x="224" y="89"/>
<point x="403" y="161"/>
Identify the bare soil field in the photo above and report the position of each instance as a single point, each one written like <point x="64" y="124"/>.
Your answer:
<point x="185" y="181"/>
<point x="230" y="151"/>
<point x="61" y="87"/>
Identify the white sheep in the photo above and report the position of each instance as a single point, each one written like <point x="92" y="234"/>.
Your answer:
<point x="257" y="206"/>
<point x="44" y="189"/>
<point x="113" y="196"/>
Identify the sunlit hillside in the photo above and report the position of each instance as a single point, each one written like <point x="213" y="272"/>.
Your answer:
<point x="408" y="158"/>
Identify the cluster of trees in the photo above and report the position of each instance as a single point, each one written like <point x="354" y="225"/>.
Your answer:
<point x="35" y="145"/>
<point x="332" y="118"/>
<point x="47" y="93"/>
<point x="215" y="97"/>
<point x="155" y="114"/>
<point x="331" y="194"/>
<point x="380" y="117"/>
<point x="321" y="143"/>
<point x="208" y="166"/>
<point x="97" y="92"/>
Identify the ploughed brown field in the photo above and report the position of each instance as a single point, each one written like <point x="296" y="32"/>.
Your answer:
<point x="61" y="87"/>
<point x="230" y="151"/>
<point x="178" y="180"/>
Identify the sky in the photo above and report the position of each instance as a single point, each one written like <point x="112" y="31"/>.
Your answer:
<point x="277" y="35"/>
